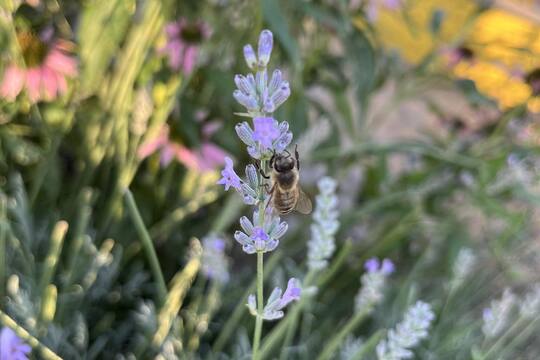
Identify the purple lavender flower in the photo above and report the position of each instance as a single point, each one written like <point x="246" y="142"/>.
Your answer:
<point x="291" y="293"/>
<point x="229" y="176"/>
<point x="253" y="138"/>
<point x="262" y="239"/>
<point x="374" y="265"/>
<point x="266" y="131"/>
<point x="277" y="302"/>
<point x="12" y="347"/>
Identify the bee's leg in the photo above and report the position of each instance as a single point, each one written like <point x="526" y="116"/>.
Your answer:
<point x="272" y="159"/>
<point x="297" y="157"/>
<point x="258" y="166"/>
<point x="271" y="192"/>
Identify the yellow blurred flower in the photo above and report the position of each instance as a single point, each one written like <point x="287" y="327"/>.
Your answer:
<point x="504" y="46"/>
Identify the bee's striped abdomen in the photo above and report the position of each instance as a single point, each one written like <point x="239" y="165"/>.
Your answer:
<point x="285" y="200"/>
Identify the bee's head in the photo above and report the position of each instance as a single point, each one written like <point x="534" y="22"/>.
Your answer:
<point x="283" y="163"/>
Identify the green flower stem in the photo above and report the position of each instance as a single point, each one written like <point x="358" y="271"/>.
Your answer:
<point x="369" y="345"/>
<point x="232" y="323"/>
<point x="260" y="306"/>
<point x="519" y="338"/>
<point x="282" y="328"/>
<point x="337" y="340"/>
<point x="260" y="270"/>
<point x="3" y="225"/>
<point x="55" y="248"/>
<point x="147" y="245"/>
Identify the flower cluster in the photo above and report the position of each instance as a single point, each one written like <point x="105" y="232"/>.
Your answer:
<point x="265" y="137"/>
<point x="12" y="347"/>
<point x="260" y="239"/>
<point x="496" y="316"/>
<point x="276" y="302"/>
<point x="373" y="281"/>
<point x="322" y="243"/>
<point x="215" y="264"/>
<point x="407" y="334"/>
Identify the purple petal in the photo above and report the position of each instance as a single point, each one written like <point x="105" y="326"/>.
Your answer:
<point x="249" y="55"/>
<point x="372" y="265"/>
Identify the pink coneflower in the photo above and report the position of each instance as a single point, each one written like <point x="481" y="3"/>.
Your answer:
<point x="208" y="157"/>
<point x="44" y="72"/>
<point x="183" y="41"/>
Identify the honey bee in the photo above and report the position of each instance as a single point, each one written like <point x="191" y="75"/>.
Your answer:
<point x="286" y="193"/>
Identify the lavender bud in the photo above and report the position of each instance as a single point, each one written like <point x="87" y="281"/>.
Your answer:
<point x="243" y="84"/>
<point x="281" y="94"/>
<point x="266" y="42"/>
<point x="249" y="55"/>
<point x="530" y="305"/>
<point x="275" y="81"/>
<point x="245" y="133"/>
<point x="249" y="102"/>
<point x="261" y="79"/>
<point x="251" y="175"/>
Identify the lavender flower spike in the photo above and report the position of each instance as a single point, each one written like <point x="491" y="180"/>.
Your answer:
<point x="12" y="347"/>
<point x="373" y="283"/>
<point x="230" y="178"/>
<point x="321" y="246"/>
<point x="407" y="334"/>
<point x="497" y="316"/>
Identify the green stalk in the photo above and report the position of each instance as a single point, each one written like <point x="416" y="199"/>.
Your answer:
<point x="260" y="306"/>
<point x="337" y="340"/>
<point x="147" y="245"/>
<point x="500" y="341"/>
<point x="240" y="309"/>
<point x="3" y="224"/>
<point x="368" y="346"/>
<point x="55" y="247"/>
<point x="260" y="271"/>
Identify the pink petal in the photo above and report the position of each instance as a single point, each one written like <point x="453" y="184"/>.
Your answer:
<point x="61" y="63"/>
<point x="12" y="83"/>
<point x="167" y="154"/>
<point x="190" y="57"/>
<point x="33" y="84"/>
<point x="172" y="29"/>
<point x="49" y="83"/>
<point x="187" y="157"/>
<point x="175" y="51"/>
<point x="212" y="156"/>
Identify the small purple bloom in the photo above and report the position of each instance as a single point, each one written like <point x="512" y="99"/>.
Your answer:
<point x="266" y="131"/>
<point x="372" y="265"/>
<point x="12" y="347"/>
<point x="215" y="264"/>
<point x="387" y="267"/>
<point x="229" y="176"/>
<point x="291" y="293"/>
<point x="259" y="238"/>
<point x="266" y="43"/>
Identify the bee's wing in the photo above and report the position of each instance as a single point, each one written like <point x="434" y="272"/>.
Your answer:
<point x="303" y="205"/>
